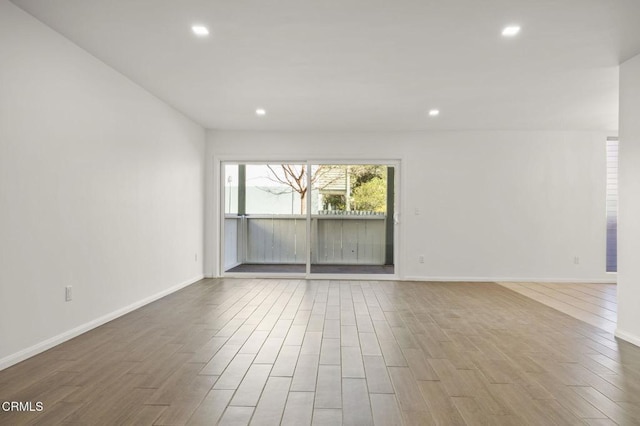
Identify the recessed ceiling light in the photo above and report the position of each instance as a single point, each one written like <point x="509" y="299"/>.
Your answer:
<point x="511" y="30"/>
<point x="434" y="113"/>
<point x="261" y="111"/>
<point x="200" y="30"/>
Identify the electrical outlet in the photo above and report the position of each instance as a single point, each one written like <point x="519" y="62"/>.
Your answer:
<point x="196" y="257"/>
<point x="68" y="294"/>
<point x="576" y="260"/>
<point x="416" y="212"/>
<point x="420" y="259"/>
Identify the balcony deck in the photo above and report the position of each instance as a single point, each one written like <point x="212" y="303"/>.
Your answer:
<point x="315" y="269"/>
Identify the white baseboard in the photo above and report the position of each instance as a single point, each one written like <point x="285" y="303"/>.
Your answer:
<point x="15" y="358"/>
<point x="381" y="277"/>
<point x="513" y="280"/>
<point x="628" y="337"/>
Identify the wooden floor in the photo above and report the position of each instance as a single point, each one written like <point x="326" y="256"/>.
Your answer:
<point x="300" y="352"/>
<point x="595" y="304"/>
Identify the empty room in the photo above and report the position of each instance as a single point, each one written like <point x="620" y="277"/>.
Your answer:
<point x="319" y="213"/>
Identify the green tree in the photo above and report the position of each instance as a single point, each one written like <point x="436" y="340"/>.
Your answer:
<point x="371" y="195"/>
<point x="363" y="173"/>
<point x="336" y="201"/>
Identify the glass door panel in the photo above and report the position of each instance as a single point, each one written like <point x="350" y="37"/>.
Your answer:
<point x="351" y="216"/>
<point x="265" y="228"/>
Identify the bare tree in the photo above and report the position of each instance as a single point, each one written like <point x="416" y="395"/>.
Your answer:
<point x="295" y="177"/>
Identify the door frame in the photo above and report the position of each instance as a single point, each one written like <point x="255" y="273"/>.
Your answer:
<point x="219" y="216"/>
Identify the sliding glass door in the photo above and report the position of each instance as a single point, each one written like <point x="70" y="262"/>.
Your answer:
<point x="308" y="219"/>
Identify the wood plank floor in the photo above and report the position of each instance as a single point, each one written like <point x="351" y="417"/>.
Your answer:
<point x="295" y="352"/>
<point x="595" y="304"/>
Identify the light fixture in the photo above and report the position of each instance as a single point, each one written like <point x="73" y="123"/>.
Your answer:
<point x="510" y="31"/>
<point x="434" y="113"/>
<point x="260" y="112"/>
<point x="200" y="30"/>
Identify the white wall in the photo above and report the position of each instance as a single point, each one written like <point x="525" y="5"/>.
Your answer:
<point x="493" y="205"/>
<point x="629" y="209"/>
<point x="101" y="188"/>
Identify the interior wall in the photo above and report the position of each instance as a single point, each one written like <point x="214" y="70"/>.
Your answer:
<point x="101" y="189"/>
<point x="629" y="203"/>
<point x="478" y="205"/>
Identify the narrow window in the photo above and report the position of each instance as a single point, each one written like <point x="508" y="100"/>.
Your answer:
<point x="612" y="204"/>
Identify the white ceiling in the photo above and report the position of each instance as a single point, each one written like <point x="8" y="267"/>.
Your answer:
<point x="365" y="64"/>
